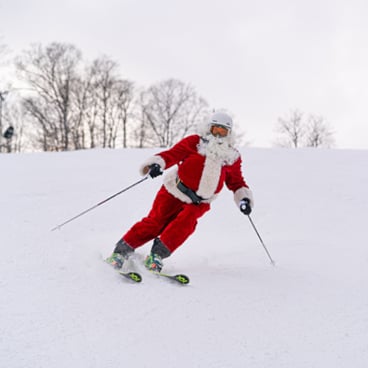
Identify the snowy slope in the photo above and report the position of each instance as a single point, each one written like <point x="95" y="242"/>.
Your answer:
<point x="62" y="307"/>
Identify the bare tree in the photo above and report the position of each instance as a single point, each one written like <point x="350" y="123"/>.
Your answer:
<point x="51" y="72"/>
<point x="299" y="131"/>
<point x="86" y="112"/>
<point x="107" y="101"/>
<point x="291" y="129"/>
<point x="125" y="102"/>
<point x="80" y="110"/>
<point x="104" y="72"/>
<point x="318" y="132"/>
<point x="141" y="132"/>
<point x="172" y="109"/>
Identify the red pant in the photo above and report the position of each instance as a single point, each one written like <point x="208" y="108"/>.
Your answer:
<point x="171" y="219"/>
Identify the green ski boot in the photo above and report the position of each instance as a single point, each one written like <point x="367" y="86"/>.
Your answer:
<point x="153" y="262"/>
<point x="116" y="260"/>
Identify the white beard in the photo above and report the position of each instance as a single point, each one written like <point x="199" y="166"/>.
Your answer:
<point x="218" y="149"/>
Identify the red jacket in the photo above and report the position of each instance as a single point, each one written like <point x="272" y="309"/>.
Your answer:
<point x="201" y="169"/>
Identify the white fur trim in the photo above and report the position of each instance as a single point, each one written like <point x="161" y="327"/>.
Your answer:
<point x="242" y="193"/>
<point x="170" y="185"/>
<point x="209" y="178"/>
<point x="152" y="160"/>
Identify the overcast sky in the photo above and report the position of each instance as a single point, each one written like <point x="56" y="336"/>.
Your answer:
<point x="258" y="59"/>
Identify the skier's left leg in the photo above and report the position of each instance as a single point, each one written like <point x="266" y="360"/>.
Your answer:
<point x="175" y="233"/>
<point x="184" y="224"/>
<point x="164" y="209"/>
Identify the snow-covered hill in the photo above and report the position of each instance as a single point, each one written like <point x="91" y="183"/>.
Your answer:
<point x="61" y="306"/>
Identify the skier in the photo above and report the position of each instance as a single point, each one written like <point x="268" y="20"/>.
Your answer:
<point x="205" y="162"/>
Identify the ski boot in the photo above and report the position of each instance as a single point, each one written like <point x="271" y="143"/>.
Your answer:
<point x="121" y="253"/>
<point x="116" y="260"/>
<point x="153" y="262"/>
<point x="159" y="251"/>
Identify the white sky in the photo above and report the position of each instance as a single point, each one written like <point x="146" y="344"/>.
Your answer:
<point x="258" y="59"/>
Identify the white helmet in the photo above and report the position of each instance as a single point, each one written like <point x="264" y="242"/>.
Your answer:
<point x="220" y="118"/>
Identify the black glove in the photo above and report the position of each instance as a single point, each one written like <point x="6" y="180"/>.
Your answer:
<point x="155" y="170"/>
<point x="245" y="207"/>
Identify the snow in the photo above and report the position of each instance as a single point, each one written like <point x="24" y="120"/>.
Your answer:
<point x="61" y="306"/>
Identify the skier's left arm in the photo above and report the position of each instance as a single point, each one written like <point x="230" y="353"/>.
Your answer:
<point x="235" y="181"/>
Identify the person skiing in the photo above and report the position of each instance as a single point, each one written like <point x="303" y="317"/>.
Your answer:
<point x="204" y="163"/>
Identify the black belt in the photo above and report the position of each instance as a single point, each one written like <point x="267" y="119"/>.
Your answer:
<point x="195" y="198"/>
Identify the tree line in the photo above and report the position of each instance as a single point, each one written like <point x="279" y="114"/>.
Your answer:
<point x="66" y="103"/>
<point x="298" y="129"/>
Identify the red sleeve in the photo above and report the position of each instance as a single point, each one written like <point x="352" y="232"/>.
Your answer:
<point x="180" y="150"/>
<point x="234" y="177"/>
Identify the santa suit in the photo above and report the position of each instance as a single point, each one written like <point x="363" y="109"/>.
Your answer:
<point x="204" y="165"/>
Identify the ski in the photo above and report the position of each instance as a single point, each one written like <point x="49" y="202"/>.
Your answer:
<point x="180" y="278"/>
<point x="133" y="276"/>
<point x="129" y="275"/>
<point x="137" y="278"/>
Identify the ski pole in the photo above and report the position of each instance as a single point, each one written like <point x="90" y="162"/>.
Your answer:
<point x="263" y="244"/>
<point x="99" y="204"/>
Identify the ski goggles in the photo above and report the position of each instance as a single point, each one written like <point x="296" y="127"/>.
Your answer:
<point x="219" y="130"/>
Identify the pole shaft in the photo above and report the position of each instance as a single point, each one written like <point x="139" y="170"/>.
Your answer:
<point x="99" y="204"/>
<point x="263" y="244"/>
